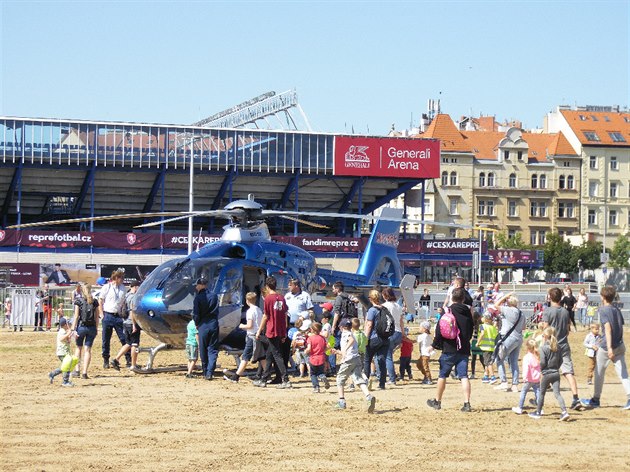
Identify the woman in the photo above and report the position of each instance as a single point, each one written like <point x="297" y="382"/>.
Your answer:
<point x="478" y="297"/>
<point x="39" y="311"/>
<point x="376" y="347"/>
<point x="395" y="339"/>
<point x="511" y="333"/>
<point x="569" y="301"/>
<point x="425" y="303"/>
<point x="581" y="306"/>
<point x="85" y="324"/>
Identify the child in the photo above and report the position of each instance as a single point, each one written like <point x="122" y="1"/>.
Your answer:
<point x="591" y="342"/>
<point x="406" y="348"/>
<point x="531" y="375"/>
<point x="424" y="343"/>
<point x="326" y="333"/>
<point x="59" y="313"/>
<point x="438" y="314"/>
<point x="351" y="366"/>
<point x="316" y="352"/>
<point x="298" y="344"/>
<point x="253" y="317"/>
<point x="538" y="335"/>
<point x="486" y="340"/>
<point x="591" y="311"/>
<point x="550" y="361"/>
<point x="360" y="336"/>
<point x="475" y="350"/>
<point x="192" y="348"/>
<point x="63" y="349"/>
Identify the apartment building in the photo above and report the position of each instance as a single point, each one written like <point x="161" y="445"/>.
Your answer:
<point x="601" y="138"/>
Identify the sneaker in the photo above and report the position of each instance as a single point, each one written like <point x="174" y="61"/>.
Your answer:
<point x="466" y="408"/>
<point x="190" y="376"/>
<point x="67" y="384"/>
<point x="576" y="405"/>
<point x="589" y="382"/>
<point x="433" y="403"/>
<point x="340" y="405"/>
<point x="502" y="386"/>
<point x="472" y="377"/>
<point x="84" y="376"/>
<point x="564" y="416"/>
<point x="493" y="380"/>
<point x="517" y="409"/>
<point x="232" y="378"/>
<point x="391" y="383"/>
<point x="485" y="379"/>
<point x="285" y="385"/>
<point x="536" y="415"/>
<point x="106" y="364"/>
<point x="371" y="401"/>
<point x="627" y="406"/>
<point x="315" y="389"/>
<point x="51" y="377"/>
<point x="590" y="404"/>
<point x="209" y="377"/>
<point x="115" y="365"/>
<point x="427" y="382"/>
<point x="259" y="383"/>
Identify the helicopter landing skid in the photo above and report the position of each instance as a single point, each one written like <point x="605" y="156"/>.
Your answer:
<point x="152" y="353"/>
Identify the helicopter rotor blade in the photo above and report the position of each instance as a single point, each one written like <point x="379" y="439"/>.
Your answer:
<point x="308" y="223"/>
<point x="96" y="218"/>
<point x="194" y="214"/>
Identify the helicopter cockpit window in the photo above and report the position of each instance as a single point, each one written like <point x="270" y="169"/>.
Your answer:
<point x="230" y="289"/>
<point x="282" y="281"/>
<point x="157" y="276"/>
<point x="180" y="282"/>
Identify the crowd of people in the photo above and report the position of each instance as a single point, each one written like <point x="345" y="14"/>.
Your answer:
<point x="290" y="335"/>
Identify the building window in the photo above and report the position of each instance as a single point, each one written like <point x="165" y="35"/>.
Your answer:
<point x="533" y="209"/>
<point x="532" y="238"/>
<point x="614" y="165"/>
<point x="616" y="136"/>
<point x="570" y="182"/>
<point x="445" y="160"/>
<point x="452" y="232"/>
<point x="592" y="162"/>
<point x="520" y="155"/>
<point x="613" y="189"/>
<point x="481" y="207"/>
<point x="482" y="179"/>
<point x="534" y="181"/>
<point x="565" y="210"/>
<point x="512" y="208"/>
<point x="453" y="160"/>
<point x="566" y="164"/>
<point x="491" y="179"/>
<point x="612" y="218"/>
<point x="542" y="183"/>
<point x="490" y="205"/>
<point x="511" y="233"/>
<point x="444" y="179"/>
<point x="593" y="188"/>
<point x="561" y="182"/>
<point x="592" y="217"/>
<point x="542" y="237"/>
<point x="542" y="209"/>
<point x="452" y="205"/>
<point x="561" y="210"/>
<point x="512" y="180"/>
<point x="591" y="136"/>
<point x="537" y="238"/>
<point x="453" y="178"/>
<point x="506" y="155"/>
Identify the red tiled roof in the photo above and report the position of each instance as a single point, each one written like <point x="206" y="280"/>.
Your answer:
<point x="451" y="139"/>
<point x="602" y="124"/>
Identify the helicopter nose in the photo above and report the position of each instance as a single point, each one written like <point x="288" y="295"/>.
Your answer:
<point x="322" y="283"/>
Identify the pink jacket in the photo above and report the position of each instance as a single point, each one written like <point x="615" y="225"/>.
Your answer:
<point x="531" y="368"/>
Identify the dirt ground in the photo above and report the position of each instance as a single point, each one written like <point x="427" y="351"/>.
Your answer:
<point x="164" y="422"/>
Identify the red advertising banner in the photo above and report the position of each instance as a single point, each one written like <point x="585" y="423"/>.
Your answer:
<point x="387" y="157"/>
<point x="19" y="274"/>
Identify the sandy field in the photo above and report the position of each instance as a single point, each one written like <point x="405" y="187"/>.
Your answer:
<point x="164" y="422"/>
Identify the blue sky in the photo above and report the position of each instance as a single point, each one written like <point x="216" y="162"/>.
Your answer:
<point x="361" y="65"/>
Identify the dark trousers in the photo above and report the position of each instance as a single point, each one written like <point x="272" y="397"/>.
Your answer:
<point x="474" y="361"/>
<point x="377" y="350"/>
<point x="39" y="319"/>
<point x="113" y="323"/>
<point x="405" y="367"/>
<point x="274" y="355"/>
<point x="208" y="345"/>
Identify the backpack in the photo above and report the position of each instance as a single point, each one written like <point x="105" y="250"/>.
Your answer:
<point x="384" y="323"/>
<point x="448" y="326"/>
<point x="348" y="308"/>
<point x="87" y="313"/>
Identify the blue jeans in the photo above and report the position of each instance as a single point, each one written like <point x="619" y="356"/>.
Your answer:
<point x="581" y="315"/>
<point x="526" y="386"/>
<point x="377" y="350"/>
<point x="394" y="341"/>
<point x="208" y="345"/>
<point x="112" y="323"/>
<point x="512" y="350"/>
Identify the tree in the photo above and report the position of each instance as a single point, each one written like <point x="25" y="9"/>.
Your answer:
<point x="516" y="242"/>
<point x="620" y="253"/>
<point x="558" y="255"/>
<point x="589" y="253"/>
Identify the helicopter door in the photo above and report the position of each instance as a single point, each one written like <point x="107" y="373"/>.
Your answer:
<point x="253" y="281"/>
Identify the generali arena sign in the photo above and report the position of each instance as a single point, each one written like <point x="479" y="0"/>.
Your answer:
<point x="387" y="157"/>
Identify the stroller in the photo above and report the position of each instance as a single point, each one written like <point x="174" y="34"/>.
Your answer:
<point x="532" y="322"/>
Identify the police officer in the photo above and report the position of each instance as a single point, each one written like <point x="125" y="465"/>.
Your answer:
<point x="205" y="315"/>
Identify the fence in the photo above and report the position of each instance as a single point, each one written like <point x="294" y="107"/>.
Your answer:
<point x="23" y="306"/>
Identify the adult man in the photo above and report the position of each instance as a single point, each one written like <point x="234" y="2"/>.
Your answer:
<point x="59" y="276"/>
<point x="272" y="333"/>
<point x="341" y="306"/>
<point x="558" y="317"/>
<point x="130" y="328"/>
<point x="611" y="348"/>
<point x="111" y="302"/>
<point x="458" y="282"/>
<point x="206" y="317"/>
<point x="452" y="356"/>
<point x="299" y="302"/>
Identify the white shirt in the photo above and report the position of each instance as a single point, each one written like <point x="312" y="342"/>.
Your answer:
<point x="424" y="343"/>
<point x="299" y="305"/>
<point x="253" y="313"/>
<point x="353" y="351"/>
<point x="396" y="310"/>
<point x="113" y="297"/>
